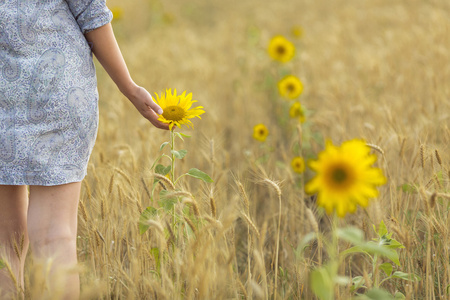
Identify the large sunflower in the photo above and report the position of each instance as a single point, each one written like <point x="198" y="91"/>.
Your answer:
<point x="345" y="177"/>
<point x="177" y="108"/>
<point x="281" y="49"/>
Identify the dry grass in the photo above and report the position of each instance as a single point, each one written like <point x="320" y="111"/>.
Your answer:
<point x="378" y="70"/>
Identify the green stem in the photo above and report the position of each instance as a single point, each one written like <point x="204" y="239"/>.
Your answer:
<point x="374" y="271"/>
<point x="334" y="253"/>
<point x="172" y="148"/>
<point x="175" y="182"/>
<point x="387" y="278"/>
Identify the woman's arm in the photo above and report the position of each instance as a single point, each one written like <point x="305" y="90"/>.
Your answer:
<point x="106" y="49"/>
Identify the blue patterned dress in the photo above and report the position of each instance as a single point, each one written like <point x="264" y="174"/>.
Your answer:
<point x="48" y="89"/>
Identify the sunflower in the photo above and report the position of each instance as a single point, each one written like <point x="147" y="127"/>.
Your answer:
<point x="296" y="111"/>
<point x="298" y="164"/>
<point x="177" y="108"/>
<point x="345" y="177"/>
<point x="260" y="132"/>
<point x="297" y="31"/>
<point x="290" y="87"/>
<point x="281" y="49"/>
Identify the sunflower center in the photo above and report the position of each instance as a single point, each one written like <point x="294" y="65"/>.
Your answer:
<point x="174" y="113"/>
<point x="290" y="88"/>
<point x="340" y="176"/>
<point x="262" y="132"/>
<point x="281" y="50"/>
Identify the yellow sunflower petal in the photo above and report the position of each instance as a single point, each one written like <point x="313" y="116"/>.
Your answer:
<point x="176" y="108"/>
<point x="345" y="177"/>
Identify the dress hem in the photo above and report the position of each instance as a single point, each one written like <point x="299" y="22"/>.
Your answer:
<point x="20" y="180"/>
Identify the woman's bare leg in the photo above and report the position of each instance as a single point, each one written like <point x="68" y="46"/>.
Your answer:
<point x="52" y="228"/>
<point x="13" y="236"/>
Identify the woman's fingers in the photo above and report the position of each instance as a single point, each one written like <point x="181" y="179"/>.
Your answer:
<point x="150" y="115"/>
<point x="148" y="108"/>
<point x="150" y="103"/>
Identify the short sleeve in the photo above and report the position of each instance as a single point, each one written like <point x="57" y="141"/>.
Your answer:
<point x="90" y="14"/>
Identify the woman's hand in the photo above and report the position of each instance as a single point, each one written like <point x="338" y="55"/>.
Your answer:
<point x="106" y="49"/>
<point x="144" y="103"/>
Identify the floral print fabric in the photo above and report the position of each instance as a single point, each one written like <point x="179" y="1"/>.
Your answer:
<point x="48" y="90"/>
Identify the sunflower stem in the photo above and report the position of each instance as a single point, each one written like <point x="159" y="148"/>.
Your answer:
<point x="172" y="148"/>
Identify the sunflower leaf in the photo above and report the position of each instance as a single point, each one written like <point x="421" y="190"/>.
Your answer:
<point x="185" y="135"/>
<point x="196" y="173"/>
<point x="181" y="135"/>
<point x="163" y="145"/>
<point x="351" y="234"/>
<point x="406" y="276"/>
<point x="375" y="294"/>
<point x="160" y="169"/>
<point x="166" y="201"/>
<point x="321" y="284"/>
<point x="179" y="154"/>
<point x="387" y="268"/>
<point x="146" y="215"/>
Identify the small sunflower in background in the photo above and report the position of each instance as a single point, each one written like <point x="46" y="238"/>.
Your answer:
<point x="260" y="132"/>
<point x="298" y="164"/>
<point x="345" y="177"/>
<point x="177" y="108"/>
<point x="297" y="31"/>
<point x="290" y="87"/>
<point x="117" y="12"/>
<point x="296" y="111"/>
<point x="281" y="49"/>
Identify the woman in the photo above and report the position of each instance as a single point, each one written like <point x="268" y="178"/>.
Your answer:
<point x="48" y="125"/>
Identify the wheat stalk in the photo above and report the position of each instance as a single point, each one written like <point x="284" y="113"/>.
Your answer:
<point x="251" y="224"/>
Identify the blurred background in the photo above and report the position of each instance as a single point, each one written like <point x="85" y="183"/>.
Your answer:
<point x="375" y="69"/>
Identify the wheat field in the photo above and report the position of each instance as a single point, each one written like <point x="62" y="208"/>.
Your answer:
<point x="377" y="70"/>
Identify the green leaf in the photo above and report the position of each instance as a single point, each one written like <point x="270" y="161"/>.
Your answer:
<point x="382" y="250"/>
<point x="185" y="135"/>
<point x="387" y="268"/>
<point x="155" y="253"/>
<point x="351" y="234"/>
<point x="376" y="294"/>
<point x="394" y="244"/>
<point x="196" y="173"/>
<point x="2" y="264"/>
<point x="181" y="135"/>
<point x="408" y="188"/>
<point x="322" y="284"/>
<point x="356" y="249"/>
<point x="163" y="145"/>
<point x="399" y="296"/>
<point x="382" y="230"/>
<point x="406" y="276"/>
<point x="357" y="282"/>
<point x="146" y="215"/>
<point x="162" y="170"/>
<point x="179" y="154"/>
<point x="166" y="201"/>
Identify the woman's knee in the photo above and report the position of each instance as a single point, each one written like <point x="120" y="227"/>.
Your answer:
<point x="52" y="241"/>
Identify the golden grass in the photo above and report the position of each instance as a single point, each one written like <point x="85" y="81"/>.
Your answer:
<point x="377" y="70"/>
